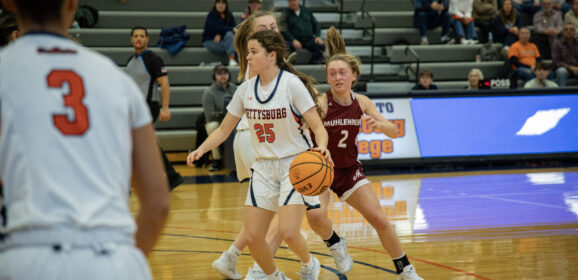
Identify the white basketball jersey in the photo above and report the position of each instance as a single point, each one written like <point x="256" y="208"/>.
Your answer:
<point x="274" y="114"/>
<point x="65" y="141"/>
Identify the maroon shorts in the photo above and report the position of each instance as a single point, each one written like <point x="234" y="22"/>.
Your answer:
<point x="347" y="180"/>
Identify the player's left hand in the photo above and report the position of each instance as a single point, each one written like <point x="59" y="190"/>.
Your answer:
<point x="165" y="115"/>
<point x="325" y="152"/>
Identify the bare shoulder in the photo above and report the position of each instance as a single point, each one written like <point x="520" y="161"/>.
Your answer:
<point x="364" y="101"/>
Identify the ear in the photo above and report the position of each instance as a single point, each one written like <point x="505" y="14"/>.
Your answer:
<point x="354" y="76"/>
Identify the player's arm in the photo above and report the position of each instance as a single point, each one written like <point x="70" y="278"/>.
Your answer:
<point x="163" y="81"/>
<point x="376" y="119"/>
<point x="321" y="137"/>
<point x="151" y="187"/>
<point x="215" y="139"/>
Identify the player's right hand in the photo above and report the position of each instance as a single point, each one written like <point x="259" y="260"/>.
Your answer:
<point x="194" y="156"/>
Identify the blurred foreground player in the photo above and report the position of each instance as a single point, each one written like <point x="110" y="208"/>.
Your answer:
<point x="72" y="129"/>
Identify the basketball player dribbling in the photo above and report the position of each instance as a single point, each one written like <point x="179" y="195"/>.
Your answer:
<point x="244" y="158"/>
<point x="275" y="102"/>
<point x="68" y="145"/>
<point x="341" y="106"/>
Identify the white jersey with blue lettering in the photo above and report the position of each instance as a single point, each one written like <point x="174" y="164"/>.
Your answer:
<point x="67" y="114"/>
<point x="274" y="112"/>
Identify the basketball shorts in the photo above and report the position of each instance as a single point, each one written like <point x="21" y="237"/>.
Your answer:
<point x="244" y="154"/>
<point x="348" y="180"/>
<point x="270" y="187"/>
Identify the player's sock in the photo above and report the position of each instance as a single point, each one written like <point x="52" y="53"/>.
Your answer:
<point x="332" y="240"/>
<point x="400" y="263"/>
<point x="234" y="253"/>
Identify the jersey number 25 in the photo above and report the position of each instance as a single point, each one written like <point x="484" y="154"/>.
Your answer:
<point x="265" y="132"/>
<point x="80" y="124"/>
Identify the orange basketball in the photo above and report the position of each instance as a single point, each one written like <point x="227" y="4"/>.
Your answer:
<point x="310" y="173"/>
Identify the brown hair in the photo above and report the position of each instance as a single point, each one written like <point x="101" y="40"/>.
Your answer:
<point x="508" y="19"/>
<point x="243" y="30"/>
<point x="273" y="42"/>
<point x="426" y="72"/>
<point x="336" y="48"/>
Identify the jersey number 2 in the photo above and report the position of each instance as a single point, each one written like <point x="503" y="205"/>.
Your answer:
<point x="265" y="132"/>
<point x="79" y="125"/>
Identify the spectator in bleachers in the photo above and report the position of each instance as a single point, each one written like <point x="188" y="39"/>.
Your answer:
<point x="254" y="5"/>
<point x="484" y="13"/>
<point x="474" y="78"/>
<point x="541" y="71"/>
<point x="506" y="25"/>
<point x="547" y="26"/>
<point x="218" y="32"/>
<point x="425" y="81"/>
<point x="572" y="16"/>
<point x="215" y="100"/>
<point x="565" y="55"/>
<point x="462" y="21"/>
<point x="562" y="6"/>
<point x="429" y="14"/>
<point x="526" y="9"/>
<point x="303" y="31"/>
<point x="523" y="55"/>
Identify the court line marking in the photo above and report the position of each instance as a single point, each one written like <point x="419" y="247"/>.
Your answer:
<point x="354" y="247"/>
<point x="522" y="202"/>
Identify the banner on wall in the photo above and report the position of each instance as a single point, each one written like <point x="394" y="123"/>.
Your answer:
<point x="375" y="145"/>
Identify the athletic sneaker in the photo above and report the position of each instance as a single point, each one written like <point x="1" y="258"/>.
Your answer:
<point x="313" y="273"/>
<point x="342" y="260"/>
<point x="226" y="267"/>
<point x="408" y="274"/>
<point x="256" y="273"/>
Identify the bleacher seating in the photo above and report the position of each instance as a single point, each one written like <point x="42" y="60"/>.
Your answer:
<point x="190" y="70"/>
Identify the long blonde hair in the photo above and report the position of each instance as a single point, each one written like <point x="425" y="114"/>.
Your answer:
<point x="336" y="48"/>
<point x="243" y="31"/>
<point x="273" y="42"/>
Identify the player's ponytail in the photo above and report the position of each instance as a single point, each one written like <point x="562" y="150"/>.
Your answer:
<point x="274" y="42"/>
<point x="336" y="48"/>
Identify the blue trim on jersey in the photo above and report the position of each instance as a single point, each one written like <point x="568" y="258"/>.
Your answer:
<point x="289" y="197"/>
<point x="253" y="200"/>
<point x="274" y="89"/>
<point x="310" y="206"/>
<point x="41" y="32"/>
<point x="300" y="129"/>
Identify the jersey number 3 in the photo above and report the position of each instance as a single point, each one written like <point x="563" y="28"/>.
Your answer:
<point x="80" y="124"/>
<point x="265" y="132"/>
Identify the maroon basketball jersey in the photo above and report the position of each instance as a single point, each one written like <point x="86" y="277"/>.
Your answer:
<point x="342" y="124"/>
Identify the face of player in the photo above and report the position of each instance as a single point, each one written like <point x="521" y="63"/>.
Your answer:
<point x="507" y="7"/>
<point x="340" y="76"/>
<point x="425" y="81"/>
<point x="474" y="79"/>
<point x="258" y="58"/>
<point x="294" y="5"/>
<point x="139" y="40"/>
<point x="220" y="6"/>
<point x="265" y="23"/>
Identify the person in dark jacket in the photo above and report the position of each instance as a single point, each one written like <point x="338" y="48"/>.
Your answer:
<point x="429" y="14"/>
<point x="425" y="81"/>
<point x="303" y="31"/>
<point x="507" y="24"/>
<point x="218" y="32"/>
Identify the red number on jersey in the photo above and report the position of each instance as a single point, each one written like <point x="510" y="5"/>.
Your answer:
<point x="79" y="125"/>
<point x="265" y="132"/>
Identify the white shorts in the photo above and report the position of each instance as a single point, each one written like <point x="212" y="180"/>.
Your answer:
<point x="270" y="186"/>
<point x="124" y="261"/>
<point x="244" y="154"/>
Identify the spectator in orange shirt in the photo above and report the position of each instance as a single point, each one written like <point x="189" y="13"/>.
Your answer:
<point x="523" y="55"/>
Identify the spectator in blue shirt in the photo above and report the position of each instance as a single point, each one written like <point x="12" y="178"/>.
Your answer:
<point x="218" y="33"/>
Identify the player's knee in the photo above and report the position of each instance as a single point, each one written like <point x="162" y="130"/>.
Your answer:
<point x="316" y="218"/>
<point x="291" y="236"/>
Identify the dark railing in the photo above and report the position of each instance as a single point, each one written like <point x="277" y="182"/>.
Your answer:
<point x="409" y="50"/>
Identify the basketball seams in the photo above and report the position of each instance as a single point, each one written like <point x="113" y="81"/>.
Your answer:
<point x="314" y="175"/>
